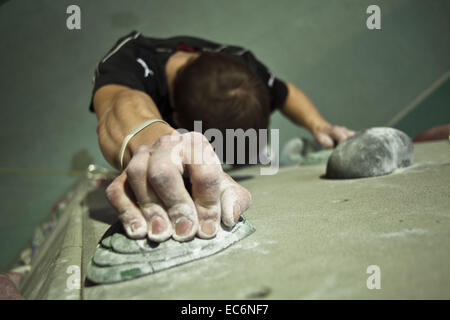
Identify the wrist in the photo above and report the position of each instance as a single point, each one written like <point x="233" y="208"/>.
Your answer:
<point x="149" y="135"/>
<point x="146" y="136"/>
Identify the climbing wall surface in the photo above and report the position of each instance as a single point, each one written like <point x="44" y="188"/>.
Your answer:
<point x="315" y="238"/>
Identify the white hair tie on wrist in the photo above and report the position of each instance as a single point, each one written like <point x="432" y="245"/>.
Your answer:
<point x="132" y="134"/>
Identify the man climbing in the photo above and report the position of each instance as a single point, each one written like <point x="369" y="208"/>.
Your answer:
<point x="144" y="89"/>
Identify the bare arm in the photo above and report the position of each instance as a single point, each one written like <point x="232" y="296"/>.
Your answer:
<point x="119" y="110"/>
<point x="300" y="110"/>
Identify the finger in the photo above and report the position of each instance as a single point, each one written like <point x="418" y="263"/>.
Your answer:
<point x="325" y="140"/>
<point x="339" y="133"/>
<point x="167" y="182"/>
<point x="235" y="200"/>
<point x="206" y="182"/>
<point x="158" y="223"/>
<point x="119" y="195"/>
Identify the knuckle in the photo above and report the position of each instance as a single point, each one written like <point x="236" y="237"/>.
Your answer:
<point x="165" y="144"/>
<point x="207" y="184"/>
<point x="156" y="168"/>
<point x="160" y="178"/>
<point x="198" y="138"/>
<point x="152" y="209"/>
<point x="246" y="194"/>
<point x="195" y="134"/>
<point x="182" y="210"/>
<point x="113" y="192"/>
<point x="206" y="176"/>
<point x="165" y="141"/>
<point x="211" y="214"/>
<point x="136" y="170"/>
<point x="142" y="149"/>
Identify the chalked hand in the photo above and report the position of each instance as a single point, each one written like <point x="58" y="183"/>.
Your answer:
<point x="151" y="198"/>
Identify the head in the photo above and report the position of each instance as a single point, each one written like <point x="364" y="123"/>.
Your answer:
<point x="222" y="92"/>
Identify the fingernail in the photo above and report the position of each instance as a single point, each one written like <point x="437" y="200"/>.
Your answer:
<point x="236" y="212"/>
<point x="209" y="228"/>
<point x="135" y="228"/>
<point x="158" y="225"/>
<point x="183" y="226"/>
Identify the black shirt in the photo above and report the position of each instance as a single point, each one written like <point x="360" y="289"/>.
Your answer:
<point x="139" y="62"/>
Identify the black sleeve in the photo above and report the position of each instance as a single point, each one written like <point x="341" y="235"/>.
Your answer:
<point x="120" y="67"/>
<point x="277" y="88"/>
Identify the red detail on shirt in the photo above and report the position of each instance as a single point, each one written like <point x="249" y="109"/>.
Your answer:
<point x="185" y="47"/>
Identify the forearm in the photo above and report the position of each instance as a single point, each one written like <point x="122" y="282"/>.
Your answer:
<point x="127" y="110"/>
<point x="301" y="110"/>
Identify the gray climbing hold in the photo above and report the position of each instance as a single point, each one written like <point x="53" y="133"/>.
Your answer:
<point x="369" y="153"/>
<point x="119" y="258"/>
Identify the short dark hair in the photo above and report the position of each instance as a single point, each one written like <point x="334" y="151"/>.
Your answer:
<point x="223" y="92"/>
